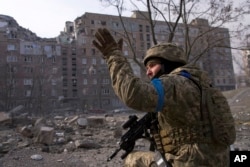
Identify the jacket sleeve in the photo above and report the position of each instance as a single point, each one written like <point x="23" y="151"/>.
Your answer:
<point x="133" y="91"/>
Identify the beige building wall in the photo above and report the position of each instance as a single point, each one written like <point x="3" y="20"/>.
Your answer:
<point x="217" y="61"/>
<point x="68" y="71"/>
<point x="94" y="82"/>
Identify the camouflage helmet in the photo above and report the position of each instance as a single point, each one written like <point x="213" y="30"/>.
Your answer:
<point x="167" y="51"/>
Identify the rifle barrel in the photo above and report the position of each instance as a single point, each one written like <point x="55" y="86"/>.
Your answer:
<point x="114" y="154"/>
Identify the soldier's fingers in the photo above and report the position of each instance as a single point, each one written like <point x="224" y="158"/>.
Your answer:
<point x="107" y="35"/>
<point x="97" y="45"/>
<point x="99" y="36"/>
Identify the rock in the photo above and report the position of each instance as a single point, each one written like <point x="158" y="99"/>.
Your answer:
<point x="86" y="144"/>
<point x="70" y="147"/>
<point x="96" y="121"/>
<point x="37" y="125"/>
<point x="45" y="135"/>
<point x="5" y="147"/>
<point x="60" y="140"/>
<point x="36" y="157"/>
<point x="24" y="143"/>
<point x="26" y="132"/>
<point x="60" y="134"/>
<point x="5" y="118"/>
<point x="82" y="122"/>
<point x="40" y="122"/>
<point x="72" y="120"/>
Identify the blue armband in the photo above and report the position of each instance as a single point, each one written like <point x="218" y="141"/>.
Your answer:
<point x="160" y="91"/>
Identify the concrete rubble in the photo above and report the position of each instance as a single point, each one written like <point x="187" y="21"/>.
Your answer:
<point x="61" y="135"/>
<point x="88" y="136"/>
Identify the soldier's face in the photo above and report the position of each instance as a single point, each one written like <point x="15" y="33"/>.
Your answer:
<point x="152" y="69"/>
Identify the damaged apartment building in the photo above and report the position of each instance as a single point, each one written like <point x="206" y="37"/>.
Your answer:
<point x="30" y="68"/>
<point x="68" y="71"/>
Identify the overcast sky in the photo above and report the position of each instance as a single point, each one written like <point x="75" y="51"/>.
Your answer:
<point x="47" y="18"/>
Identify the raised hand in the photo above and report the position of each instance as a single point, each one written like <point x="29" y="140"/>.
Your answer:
<point x="105" y="42"/>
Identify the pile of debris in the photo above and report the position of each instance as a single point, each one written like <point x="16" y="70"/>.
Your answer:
<point x="76" y="140"/>
<point x="60" y="134"/>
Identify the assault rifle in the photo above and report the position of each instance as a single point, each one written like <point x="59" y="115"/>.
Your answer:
<point x="137" y="129"/>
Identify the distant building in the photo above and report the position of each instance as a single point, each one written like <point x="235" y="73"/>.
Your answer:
<point x="30" y="69"/>
<point x="246" y="61"/>
<point x="217" y="61"/>
<point x="68" y="71"/>
<point x="241" y="81"/>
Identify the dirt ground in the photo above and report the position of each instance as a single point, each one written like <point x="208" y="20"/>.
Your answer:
<point x="83" y="158"/>
<point x="101" y="142"/>
<point x="21" y="156"/>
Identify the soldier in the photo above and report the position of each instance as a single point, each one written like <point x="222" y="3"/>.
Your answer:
<point x="184" y="140"/>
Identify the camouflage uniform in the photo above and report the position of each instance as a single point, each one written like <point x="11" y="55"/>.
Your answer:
<point x="181" y="110"/>
<point x="139" y="159"/>
<point x="179" y="121"/>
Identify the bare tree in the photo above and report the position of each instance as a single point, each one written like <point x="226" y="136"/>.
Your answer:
<point x="38" y="102"/>
<point x="179" y="16"/>
<point x="7" y="84"/>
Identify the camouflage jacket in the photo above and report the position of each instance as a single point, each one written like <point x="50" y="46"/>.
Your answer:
<point x="181" y="106"/>
<point x="181" y="94"/>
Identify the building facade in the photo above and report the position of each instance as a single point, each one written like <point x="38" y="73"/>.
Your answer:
<point x="246" y="61"/>
<point x="30" y="69"/>
<point x="69" y="71"/>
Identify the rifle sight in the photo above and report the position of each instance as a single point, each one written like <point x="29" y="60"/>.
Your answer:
<point x="130" y="122"/>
